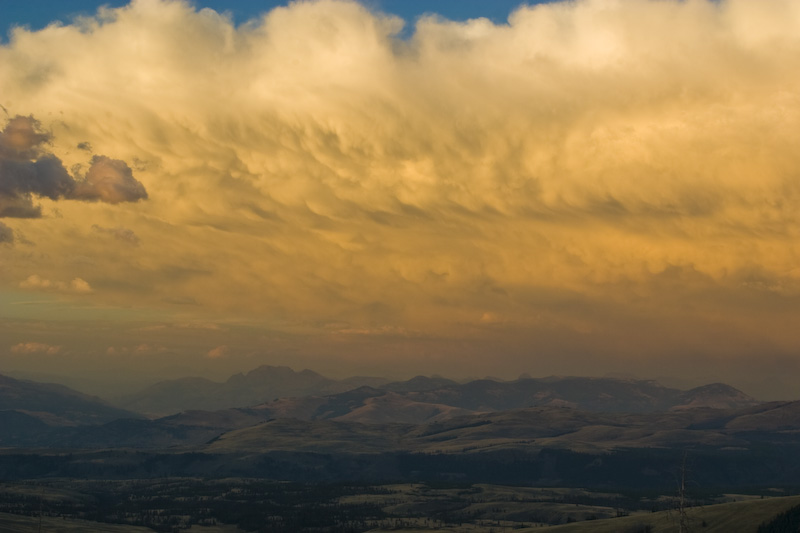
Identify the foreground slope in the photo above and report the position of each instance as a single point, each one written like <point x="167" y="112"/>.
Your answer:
<point x="12" y="523"/>
<point x="743" y="516"/>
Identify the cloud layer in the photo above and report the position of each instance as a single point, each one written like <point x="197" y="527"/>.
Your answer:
<point x="603" y="176"/>
<point x="35" y="348"/>
<point x="35" y="282"/>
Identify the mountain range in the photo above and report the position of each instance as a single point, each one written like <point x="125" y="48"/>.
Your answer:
<point x="270" y="384"/>
<point x="36" y="414"/>
<point x="546" y="430"/>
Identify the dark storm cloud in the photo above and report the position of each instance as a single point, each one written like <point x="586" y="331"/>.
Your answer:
<point x="6" y="233"/>
<point x="27" y="171"/>
<point x="21" y="138"/>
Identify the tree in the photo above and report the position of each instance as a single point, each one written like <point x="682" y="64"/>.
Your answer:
<point x="682" y="505"/>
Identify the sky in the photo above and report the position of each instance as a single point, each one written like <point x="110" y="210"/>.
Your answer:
<point x="598" y="187"/>
<point x="39" y="14"/>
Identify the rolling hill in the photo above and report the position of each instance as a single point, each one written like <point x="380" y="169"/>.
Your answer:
<point x="240" y="390"/>
<point x="52" y="405"/>
<point x="540" y="427"/>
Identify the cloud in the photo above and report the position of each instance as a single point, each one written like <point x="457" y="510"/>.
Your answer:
<point x="25" y="171"/>
<point x="109" y="180"/>
<point x="140" y="349"/>
<point x="28" y="171"/>
<point x="314" y="167"/>
<point x="209" y="326"/>
<point x="148" y="348"/>
<point x="22" y="138"/>
<point x="35" y="282"/>
<point x="219" y="351"/>
<point x="35" y="347"/>
<point x="79" y="285"/>
<point x="121" y="234"/>
<point x="6" y="234"/>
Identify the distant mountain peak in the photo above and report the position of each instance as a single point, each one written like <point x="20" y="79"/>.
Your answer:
<point x="420" y="384"/>
<point x="716" y="395"/>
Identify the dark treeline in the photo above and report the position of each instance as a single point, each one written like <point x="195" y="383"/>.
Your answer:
<point x="637" y="469"/>
<point x="788" y="522"/>
<point x="175" y="504"/>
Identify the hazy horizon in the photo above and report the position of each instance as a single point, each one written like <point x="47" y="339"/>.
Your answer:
<point x="110" y="386"/>
<point x="582" y="188"/>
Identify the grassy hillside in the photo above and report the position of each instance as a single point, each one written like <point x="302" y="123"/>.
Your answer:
<point x="11" y="523"/>
<point x="744" y="516"/>
<point x="166" y="503"/>
<point x="544" y="427"/>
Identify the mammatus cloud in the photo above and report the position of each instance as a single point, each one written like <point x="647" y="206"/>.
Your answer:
<point x="27" y="171"/>
<point x="34" y="348"/>
<point x="591" y="177"/>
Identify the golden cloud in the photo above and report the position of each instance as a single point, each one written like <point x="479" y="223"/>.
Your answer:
<point x="586" y="166"/>
<point x="35" y="348"/>
<point x="219" y="351"/>
<point x="35" y="282"/>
